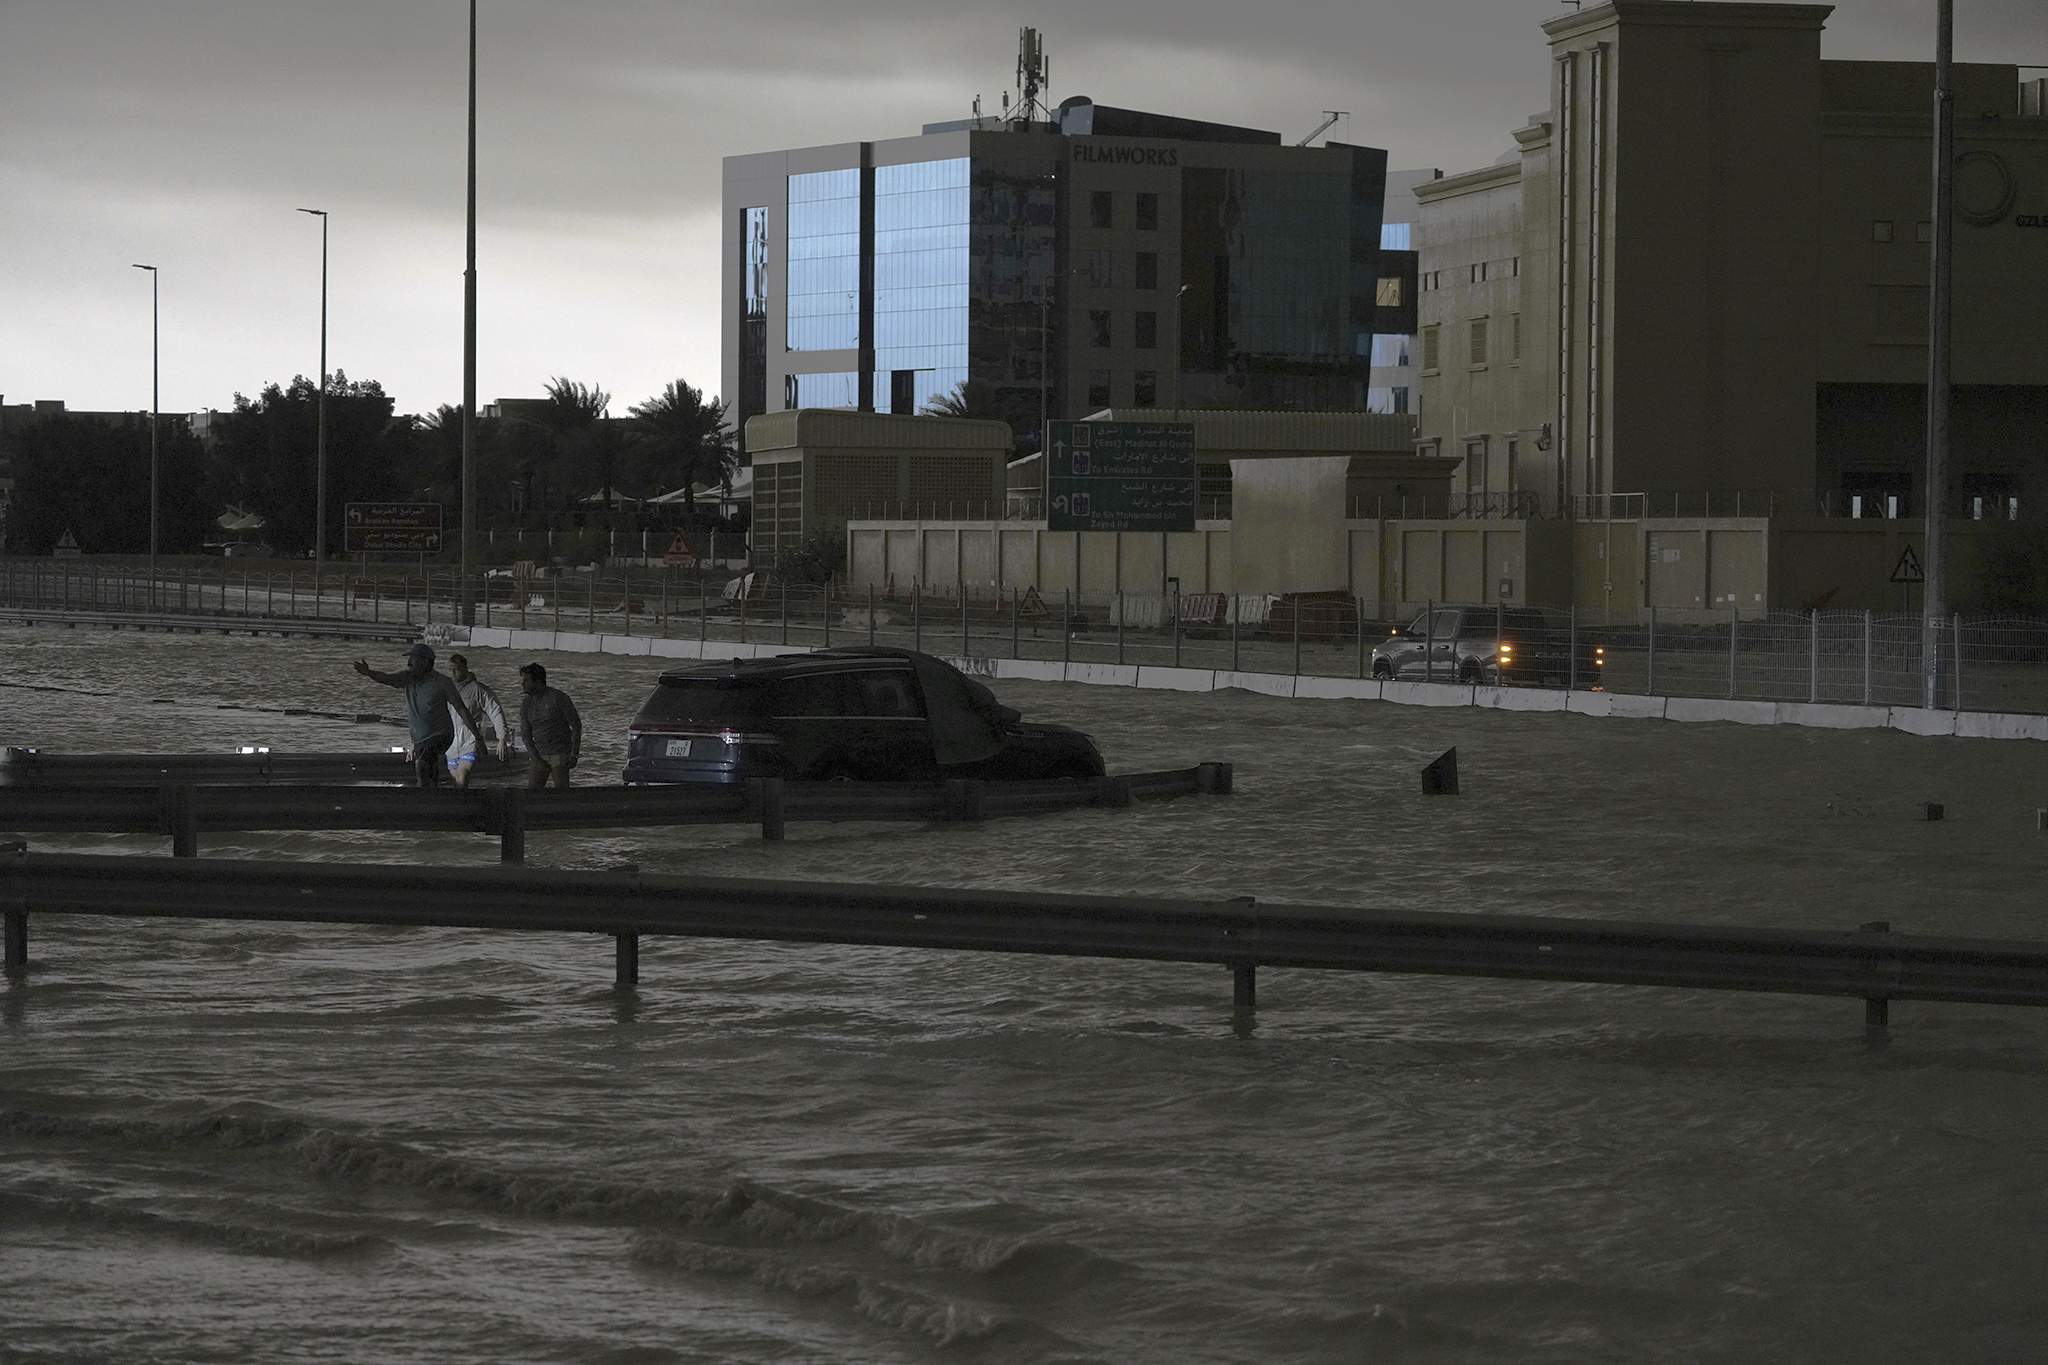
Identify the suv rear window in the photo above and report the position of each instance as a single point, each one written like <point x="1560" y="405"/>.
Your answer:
<point x="707" y="702"/>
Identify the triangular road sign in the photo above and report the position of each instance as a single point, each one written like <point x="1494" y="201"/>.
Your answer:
<point x="1908" y="570"/>
<point x="679" y="551"/>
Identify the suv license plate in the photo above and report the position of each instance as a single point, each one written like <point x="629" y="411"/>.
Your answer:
<point x="679" y="748"/>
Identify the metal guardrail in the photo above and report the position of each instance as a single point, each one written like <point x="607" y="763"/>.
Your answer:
<point x="184" y="810"/>
<point x="200" y="623"/>
<point x="1869" y="963"/>
<point x="36" y="768"/>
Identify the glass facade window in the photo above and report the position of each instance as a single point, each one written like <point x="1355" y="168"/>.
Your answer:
<point x="922" y="230"/>
<point x="752" y="398"/>
<point x="1146" y="331"/>
<point x="1015" y="304"/>
<point x="1145" y="274"/>
<point x="1389" y="352"/>
<point x="1387" y="398"/>
<point x="1101" y="209"/>
<point x="839" y="390"/>
<point x="1098" y="388"/>
<point x="1397" y="236"/>
<point x="1148" y="212"/>
<point x="824" y="261"/>
<point x="1145" y="389"/>
<point x="1098" y="327"/>
<point x="1095" y="267"/>
<point x="1388" y="292"/>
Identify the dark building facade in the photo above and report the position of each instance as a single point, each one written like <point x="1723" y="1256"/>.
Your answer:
<point x="1104" y="258"/>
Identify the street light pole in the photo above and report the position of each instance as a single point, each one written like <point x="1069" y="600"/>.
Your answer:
<point x="468" y="602"/>
<point x="1173" y="339"/>
<point x="1934" y="604"/>
<point x="320" y="439"/>
<point x="153" y="408"/>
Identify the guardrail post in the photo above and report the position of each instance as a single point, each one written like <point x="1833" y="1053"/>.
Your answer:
<point x="1877" y="1009"/>
<point x="1119" y="625"/>
<point x="1213" y="779"/>
<point x="180" y="821"/>
<point x="511" y="803"/>
<point x="826" y="613"/>
<point x="1016" y="616"/>
<point x="626" y="955"/>
<point x="768" y="793"/>
<point x="963" y="800"/>
<point x="1244" y="986"/>
<point x="1957" y="670"/>
<point x="871" y="615"/>
<point x="1297" y="637"/>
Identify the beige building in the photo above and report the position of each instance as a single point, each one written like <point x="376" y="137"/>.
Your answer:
<point x="814" y="471"/>
<point x="1701" y="276"/>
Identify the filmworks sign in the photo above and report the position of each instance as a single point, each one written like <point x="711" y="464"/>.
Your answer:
<point x="1114" y="155"/>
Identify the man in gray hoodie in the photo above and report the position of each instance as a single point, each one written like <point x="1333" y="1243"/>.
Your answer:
<point x="483" y="702"/>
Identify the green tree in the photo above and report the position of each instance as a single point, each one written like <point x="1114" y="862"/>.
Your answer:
<point x="265" y="456"/>
<point x="686" y="438"/>
<point x="91" y="477"/>
<point x="970" y="398"/>
<point x="814" y="559"/>
<point x="572" y="416"/>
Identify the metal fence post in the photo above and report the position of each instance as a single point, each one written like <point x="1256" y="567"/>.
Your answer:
<point x="1813" y="658"/>
<point x="625" y="597"/>
<point x="785" y="611"/>
<point x="1119" y="625"/>
<point x="1176" y="629"/>
<point x="1429" y="640"/>
<point x="1866" y="656"/>
<point x="1297" y="637"/>
<point x="871" y="613"/>
<point x="1066" y="626"/>
<point x="1571" y="683"/>
<point x="916" y="615"/>
<point x="826" y="613"/>
<point x="1957" y="663"/>
<point x="1650" y="654"/>
<point x="593" y="602"/>
<point x="1016" y="615"/>
<point x="965" y="648"/>
<point x="1358" y="612"/>
<point x="1734" y="627"/>
<point x="703" y="608"/>
<point x="1236" y="610"/>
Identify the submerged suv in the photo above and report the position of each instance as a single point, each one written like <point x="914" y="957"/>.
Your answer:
<point x="871" y="715"/>
<point x="1494" y="645"/>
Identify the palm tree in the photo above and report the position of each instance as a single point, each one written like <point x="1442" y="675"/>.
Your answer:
<point x="970" y="398"/>
<point x="686" y="434"/>
<point x="572" y="415"/>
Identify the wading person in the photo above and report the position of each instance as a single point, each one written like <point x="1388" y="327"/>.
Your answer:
<point x="432" y="706"/>
<point x="549" y="728"/>
<point x="483" y="704"/>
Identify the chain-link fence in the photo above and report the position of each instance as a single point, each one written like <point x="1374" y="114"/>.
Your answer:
<point x="1981" y="664"/>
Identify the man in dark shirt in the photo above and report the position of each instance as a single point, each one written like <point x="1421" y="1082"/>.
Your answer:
<point x="549" y="728"/>
<point x="429" y="697"/>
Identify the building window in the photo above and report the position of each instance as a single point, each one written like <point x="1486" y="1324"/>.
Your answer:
<point x="1479" y="273"/>
<point x="1148" y="211"/>
<point x="1147" y="338"/>
<point x="1514" y="337"/>
<point x="1388" y="295"/>
<point x="1145" y="388"/>
<point x="1400" y="398"/>
<point x="1881" y="230"/>
<point x="823" y="287"/>
<point x="1100" y="209"/>
<point x="1098" y="388"/>
<point x="1475" y="343"/>
<point x="1923" y="232"/>
<point x="1095" y="267"/>
<point x="1098" y="327"/>
<point x="1475" y="467"/>
<point x="1514" y="267"/>
<point x="1146" y="275"/>
<point x="1429" y="349"/>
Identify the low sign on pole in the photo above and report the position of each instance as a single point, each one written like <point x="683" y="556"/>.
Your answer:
<point x="1121" y="476"/>
<point x="393" y="528"/>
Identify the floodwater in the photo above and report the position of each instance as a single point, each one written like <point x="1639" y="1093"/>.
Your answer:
<point x="230" y="1142"/>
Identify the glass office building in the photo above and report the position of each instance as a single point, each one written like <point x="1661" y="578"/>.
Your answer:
<point x="1046" y="270"/>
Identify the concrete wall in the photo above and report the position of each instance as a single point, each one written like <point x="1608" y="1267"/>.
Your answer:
<point x="1287" y="525"/>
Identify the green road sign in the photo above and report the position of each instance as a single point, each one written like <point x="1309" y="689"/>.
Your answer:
<point x="1120" y="476"/>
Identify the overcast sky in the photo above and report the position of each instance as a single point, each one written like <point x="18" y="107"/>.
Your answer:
<point x="184" y="134"/>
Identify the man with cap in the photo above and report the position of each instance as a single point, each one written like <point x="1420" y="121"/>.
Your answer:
<point x="429" y="699"/>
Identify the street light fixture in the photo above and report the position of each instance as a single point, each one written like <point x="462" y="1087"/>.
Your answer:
<point x="320" y="439"/>
<point x="153" y="403"/>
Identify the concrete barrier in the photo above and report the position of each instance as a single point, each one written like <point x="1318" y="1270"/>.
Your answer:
<point x="1914" y="721"/>
<point x="1822" y="716"/>
<point x="1428" y="693"/>
<point x="1520" y="698"/>
<point x="1177" y="679"/>
<point x="1989" y="725"/>
<point x="1714" y="708"/>
<point x="1032" y="670"/>
<point x="632" y="646"/>
<point x="1625" y="706"/>
<point x="1103" y="675"/>
<point x="1338" y="689"/>
<point x="1265" y="684"/>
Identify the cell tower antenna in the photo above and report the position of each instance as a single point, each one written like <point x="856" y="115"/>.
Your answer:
<point x="1330" y="117"/>
<point x="1033" y="73"/>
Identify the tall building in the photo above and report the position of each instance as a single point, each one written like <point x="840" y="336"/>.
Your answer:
<point x="1099" y="257"/>
<point x="1393" y="345"/>
<point x="1702" y="273"/>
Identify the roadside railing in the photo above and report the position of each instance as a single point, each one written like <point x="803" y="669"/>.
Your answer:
<point x="1981" y="663"/>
